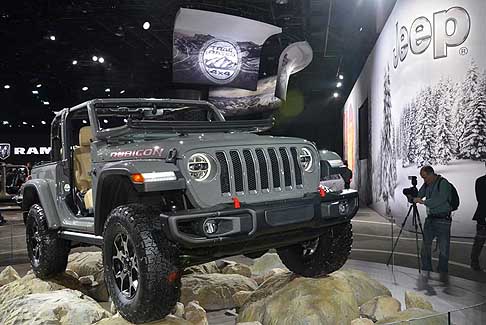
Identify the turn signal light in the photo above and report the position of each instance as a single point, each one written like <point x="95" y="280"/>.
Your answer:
<point x="138" y="178"/>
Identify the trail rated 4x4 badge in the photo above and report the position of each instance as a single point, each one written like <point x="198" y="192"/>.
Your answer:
<point x="220" y="61"/>
<point x="4" y="150"/>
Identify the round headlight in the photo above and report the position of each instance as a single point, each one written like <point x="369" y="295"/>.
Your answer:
<point x="199" y="166"/>
<point x="306" y="159"/>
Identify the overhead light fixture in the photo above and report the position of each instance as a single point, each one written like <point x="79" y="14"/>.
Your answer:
<point x="107" y="90"/>
<point x="146" y="25"/>
<point x="335" y="95"/>
<point x="24" y="123"/>
<point x="101" y="59"/>
<point x="339" y="84"/>
<point x="46" y="103"/>
<point x="35" y="92"/>
<point x="6" y="86"/>
<point x="341" y="77"/>
<point x="84" y="88"/>
<point x="94" y="58"/>
<point x="33" y="125"/>
<point x="52" y="38"/>
<point x="43" y="122"/>
<point x="85" y="122"/>
<point x="122" y="91"/>
<point x="75" y="62"/>
<point x="5" y="122"/>
<point x="361" y="29"/>
<point x="39" y="85"/>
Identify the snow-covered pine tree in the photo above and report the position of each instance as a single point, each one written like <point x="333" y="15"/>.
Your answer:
<point x="426" y="128"/>
<point x="470" y="89"/>
<point x="446" y="144"/>
<point x="388" y="171"/>
<point x="473" y="141"/>
<point x="404" y="121"/>
<point x="412" y="132"/>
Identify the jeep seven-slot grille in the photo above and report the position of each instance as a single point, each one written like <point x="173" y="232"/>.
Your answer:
<point x="253" y="170"/>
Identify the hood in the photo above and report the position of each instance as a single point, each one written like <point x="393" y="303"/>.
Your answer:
<point x="158" y="149"/>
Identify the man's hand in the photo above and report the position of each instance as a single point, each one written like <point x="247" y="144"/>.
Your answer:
<point x="418" y="200"/>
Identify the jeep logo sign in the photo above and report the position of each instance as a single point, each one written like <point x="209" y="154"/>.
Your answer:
<point x="422" y="34"/>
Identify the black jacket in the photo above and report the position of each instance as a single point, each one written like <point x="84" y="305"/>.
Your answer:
<point x="480" y="214"/>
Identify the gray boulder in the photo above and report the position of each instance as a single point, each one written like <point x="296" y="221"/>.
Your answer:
<point x="8" y="275"/>
<point x="380" y="308"/>
<point x="86" y="264"/>
<point x="266" y="263"/>
<point x="169" y="320"/>
<point x="364" y="287"/>
<point x="58" y="307"/>
<point x="417" y="316"/>
<point x="416" y="300"/>
<point x="214" y="291"/>
<point x="195" y="314"/>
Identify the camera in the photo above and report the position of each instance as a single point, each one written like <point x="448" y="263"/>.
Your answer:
<point x="411" y="192"/>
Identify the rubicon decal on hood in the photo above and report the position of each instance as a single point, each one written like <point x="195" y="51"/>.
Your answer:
<point x="138" y="153"/>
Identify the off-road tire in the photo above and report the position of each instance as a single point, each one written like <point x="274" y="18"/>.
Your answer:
<point x="48" y="253"/>
<point x="159" y="275"/>
<point x="332" y="251"/>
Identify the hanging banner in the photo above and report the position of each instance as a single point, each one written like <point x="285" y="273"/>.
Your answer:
<point x="294" y="58"/>
<point x="217" y="49"/>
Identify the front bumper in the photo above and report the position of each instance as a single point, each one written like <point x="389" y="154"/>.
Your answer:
<point x="272" y="224"/>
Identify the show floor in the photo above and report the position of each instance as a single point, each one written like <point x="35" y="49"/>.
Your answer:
<point x="371" y="249"/>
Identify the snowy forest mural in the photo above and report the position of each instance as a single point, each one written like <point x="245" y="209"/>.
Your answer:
<point x="424" y="108"/>
<point x="445" y="122"/>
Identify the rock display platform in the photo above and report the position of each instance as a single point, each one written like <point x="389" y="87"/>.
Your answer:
<point x="262" y="293"/>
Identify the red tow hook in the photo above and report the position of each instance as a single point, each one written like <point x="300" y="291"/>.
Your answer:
<point x="322" y="191"/>
<point x="236" y="203"/>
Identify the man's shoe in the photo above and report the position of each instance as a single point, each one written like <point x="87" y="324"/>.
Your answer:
<point x="476" y="267"/>
<point x="444" y="277"/>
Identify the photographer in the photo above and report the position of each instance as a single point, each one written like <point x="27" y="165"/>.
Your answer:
<point x="480" y="217"/>
<point x="437" y="191"/>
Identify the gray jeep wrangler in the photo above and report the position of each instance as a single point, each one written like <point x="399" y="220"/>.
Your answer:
<point x="161" y="185"/>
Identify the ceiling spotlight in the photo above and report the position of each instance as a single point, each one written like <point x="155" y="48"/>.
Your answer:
<point x="75" y="62"/>
<point x="341" y="77"/>
<point x="339" y="84"/>
<point x="43" y="122"/>
<point x="361" y="29"/>
<point x="335" y="95"/>
<point x="146" y="25"/>
<point x="5" y="122"/>
<point x="33" y="126"/>
<point x="101" y="60"/>
<point x="24" y="123"/>
<point x="94" y="58"/>
<point x="52" y="38"/>
<point x="35" y="92"/>
<point x="46" y="103"/>
<point x="84" y="88"/>
<point x="85" y="122"/>
<point x="39" y="85"/>
<point x="107" y="90"/>
<point x="6" y="86"/>
<point x="122" y="91"/>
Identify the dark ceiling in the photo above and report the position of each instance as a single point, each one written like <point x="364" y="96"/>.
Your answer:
<point x="137" y="62"/>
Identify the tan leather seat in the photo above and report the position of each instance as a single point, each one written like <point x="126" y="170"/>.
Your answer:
<point x="82" y="162"/>
<point x="88" y="199"/>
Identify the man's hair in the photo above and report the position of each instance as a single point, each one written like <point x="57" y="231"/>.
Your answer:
<point x="428" y="170"/>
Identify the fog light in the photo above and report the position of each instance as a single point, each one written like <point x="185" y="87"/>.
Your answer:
<point x="210" y="226"/>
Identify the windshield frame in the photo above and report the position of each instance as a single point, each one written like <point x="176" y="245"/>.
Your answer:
<point x="180" y="127"/>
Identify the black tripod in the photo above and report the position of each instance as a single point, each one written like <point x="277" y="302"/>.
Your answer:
<point x="417" y="224"/>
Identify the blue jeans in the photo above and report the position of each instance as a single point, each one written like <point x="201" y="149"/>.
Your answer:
<point x="441" y="229"/>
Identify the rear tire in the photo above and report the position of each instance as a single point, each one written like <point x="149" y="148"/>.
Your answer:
<point x="331" y="251"/>
<point x="47" y="252"/>
<point x="140" y="264"/>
